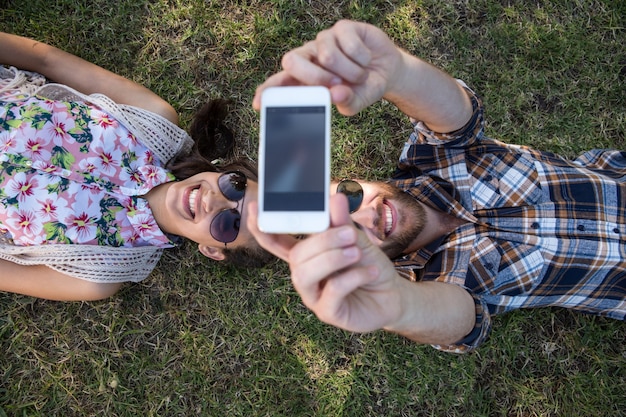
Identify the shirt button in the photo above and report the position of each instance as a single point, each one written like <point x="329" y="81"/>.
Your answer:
<point x="581" y="227"/>
<point x="535" y="225"/>
<point x="616" y="230"/>
<point x="488" y="177"/>
<point x="29" y="163"/>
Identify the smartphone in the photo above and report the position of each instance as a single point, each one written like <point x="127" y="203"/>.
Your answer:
<point x="294" y="160"/>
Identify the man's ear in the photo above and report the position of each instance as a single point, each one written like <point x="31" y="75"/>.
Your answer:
<point x="212" y="252"/>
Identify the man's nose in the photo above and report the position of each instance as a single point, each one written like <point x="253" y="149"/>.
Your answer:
<point x="366" y="217"/>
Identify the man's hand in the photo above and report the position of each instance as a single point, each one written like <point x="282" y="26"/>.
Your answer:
<point x="351" y="284"/>
<point x="355" y="60"/>
<point x="344" y="279"/>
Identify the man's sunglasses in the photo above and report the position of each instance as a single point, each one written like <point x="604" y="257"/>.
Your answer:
<point x="225" y="225"/>
<point x="353" y="191"/>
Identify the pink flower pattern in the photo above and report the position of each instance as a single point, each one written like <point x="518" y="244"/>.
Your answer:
<point x="70" y="173"/>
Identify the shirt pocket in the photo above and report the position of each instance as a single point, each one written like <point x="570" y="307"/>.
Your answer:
<point x="504" y="268"/>
<point x="503" y="180"/>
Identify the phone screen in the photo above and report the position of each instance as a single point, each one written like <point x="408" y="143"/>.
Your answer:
<point x="294" y="159"/>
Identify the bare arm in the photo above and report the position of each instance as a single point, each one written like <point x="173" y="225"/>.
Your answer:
<point x="43" y="282"/>
<point x="428" y="94"/>
<point x="433" y="312"/>
<point x="65" y="68"/>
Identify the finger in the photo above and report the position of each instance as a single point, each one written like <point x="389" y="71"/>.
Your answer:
<point x="344" y="99"/>
<point x="339" y="210"/>
<point x="325" y="254"/>
<point x="321" y="256"/>
<point x="351" y="41"/>
<point x="278" y="245"/>
<point x="341" y="95"/>
<point x="342" y="234"/>
<point x="344" y="283"/>
<point x="303" y="65"/>
<point x="343" y="54"/>
<point x="278" y="79"/>
<point x="308" y="277"/>
<point x="331" y="304"/>
<point x="340" y="216"/>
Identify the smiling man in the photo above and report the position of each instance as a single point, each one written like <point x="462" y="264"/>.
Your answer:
<point x="474" y="227"/>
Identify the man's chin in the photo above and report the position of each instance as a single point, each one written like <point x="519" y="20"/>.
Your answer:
<point x="412" y="223"/>
<point x="395" y="248"/>
<point x="411" y="219"/>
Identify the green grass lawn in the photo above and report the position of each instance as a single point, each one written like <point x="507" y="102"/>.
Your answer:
<point x="200" y="339"/>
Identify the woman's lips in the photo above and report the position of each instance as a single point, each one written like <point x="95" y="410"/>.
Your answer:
<point x="190" y="201"/>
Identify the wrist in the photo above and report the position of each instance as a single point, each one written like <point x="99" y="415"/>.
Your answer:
<point x="434" y="313"/>
<point x="402" y="77"/>
<point x="404" y="320"/>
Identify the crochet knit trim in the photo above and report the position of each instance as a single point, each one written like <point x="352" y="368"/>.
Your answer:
<point x="104" y="264"/>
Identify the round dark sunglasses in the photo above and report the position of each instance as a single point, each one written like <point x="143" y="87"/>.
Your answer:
<point x="225" y="225"/>
<point x="353" y="191"/>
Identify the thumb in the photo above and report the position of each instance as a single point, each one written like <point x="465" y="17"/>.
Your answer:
<point x="339" y="211"/>
<point x="278" y="245"/>
<point x="344" y="98"/>
<point x="371" y="255"/>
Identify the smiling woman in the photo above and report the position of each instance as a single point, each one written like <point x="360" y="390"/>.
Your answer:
<point x="96" y="178"/>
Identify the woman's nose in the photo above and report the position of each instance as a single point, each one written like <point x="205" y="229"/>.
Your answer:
<point x="215" y="201"/>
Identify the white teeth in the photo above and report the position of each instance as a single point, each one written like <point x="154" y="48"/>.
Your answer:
<point x="388" y="220"/>
<point x="192" y="201"/>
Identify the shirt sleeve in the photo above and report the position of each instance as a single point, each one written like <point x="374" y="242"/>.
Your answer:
<point x="477" y="336"/>
<point x="414" y="154"/>
<point x="465" y="136"/>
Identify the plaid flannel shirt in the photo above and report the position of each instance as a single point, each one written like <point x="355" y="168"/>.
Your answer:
<point x="541" y="230"/>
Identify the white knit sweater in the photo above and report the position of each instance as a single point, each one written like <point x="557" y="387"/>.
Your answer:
<point x="97" y="263"/>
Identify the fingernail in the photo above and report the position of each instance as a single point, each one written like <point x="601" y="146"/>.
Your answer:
<point x="345" y="235"/>
<point x="351" y="252"/>
<point x="335" y="81"/>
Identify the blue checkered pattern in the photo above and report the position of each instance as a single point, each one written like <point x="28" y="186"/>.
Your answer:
<point x="541" y="230"/>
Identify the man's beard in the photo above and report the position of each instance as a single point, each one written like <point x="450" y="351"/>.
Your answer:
<point x="394" y="246"/>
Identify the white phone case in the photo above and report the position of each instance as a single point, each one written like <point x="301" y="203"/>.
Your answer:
<point x="294" y="160"/>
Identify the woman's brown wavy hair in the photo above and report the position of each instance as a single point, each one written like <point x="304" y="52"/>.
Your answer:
<point x="213" y="140"/>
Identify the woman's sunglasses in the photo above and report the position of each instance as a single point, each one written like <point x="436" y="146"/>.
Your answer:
<point x="353" y="191"/>
<point x="232" y="184"/>
<point x="225" y="225"/>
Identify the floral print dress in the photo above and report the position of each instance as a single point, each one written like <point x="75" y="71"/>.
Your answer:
<point x="71" y="174"/>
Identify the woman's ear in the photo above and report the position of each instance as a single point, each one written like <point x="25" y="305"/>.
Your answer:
<point x="212" y="252"/>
